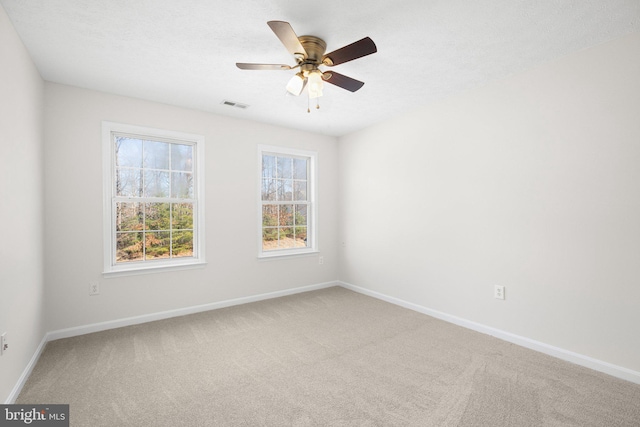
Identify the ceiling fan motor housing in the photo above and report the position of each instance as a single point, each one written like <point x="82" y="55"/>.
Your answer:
<point x="314" y="47"/>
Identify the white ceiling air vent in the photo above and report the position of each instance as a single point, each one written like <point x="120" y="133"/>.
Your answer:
<point x="234" y="104"/>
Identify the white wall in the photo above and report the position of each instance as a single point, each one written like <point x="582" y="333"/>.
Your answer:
<point x="73" y="200"/>
<point x="21" y="282"/>
<point x="532" y="183"/>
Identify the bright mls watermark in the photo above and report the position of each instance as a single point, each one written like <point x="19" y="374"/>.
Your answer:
<point x="34" y="415"/>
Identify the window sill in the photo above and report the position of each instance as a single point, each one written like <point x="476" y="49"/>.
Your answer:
<point x="285" y="255"/>
<point x="138" y="270"/>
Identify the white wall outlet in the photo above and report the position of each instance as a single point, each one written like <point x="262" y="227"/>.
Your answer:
<point x="4" y="345"/>
<point x="321" y="260"/>
<point x="498" y="292"/>
<point x="94" y="288"/>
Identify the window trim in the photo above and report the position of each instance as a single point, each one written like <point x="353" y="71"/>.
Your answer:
<point x="312" y="201"/>
<point x="110" y="268"/>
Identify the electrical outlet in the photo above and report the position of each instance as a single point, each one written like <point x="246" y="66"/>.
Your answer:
<point x="321" y="260"/>
<point x="94" y="288"/>
<point x="498" y="292"/>
<point x="4" y="345"/>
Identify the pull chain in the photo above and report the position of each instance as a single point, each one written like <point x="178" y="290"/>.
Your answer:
<point x="309" y="104"/>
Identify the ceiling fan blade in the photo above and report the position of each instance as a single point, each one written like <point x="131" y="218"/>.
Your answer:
<point x="245" y="66"/>
<point x="287" y="36"/>
<point x="343" y="81"/>
<point x="355" y="50"/>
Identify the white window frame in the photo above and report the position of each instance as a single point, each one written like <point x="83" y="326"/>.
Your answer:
<point x="111" y="268"/>
<point x="312" y="205"/>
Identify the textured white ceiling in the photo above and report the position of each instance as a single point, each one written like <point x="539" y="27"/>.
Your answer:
<point x="184" y="52"/>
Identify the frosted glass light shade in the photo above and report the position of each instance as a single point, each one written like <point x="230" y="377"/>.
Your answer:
<point x="315" y="84"/>
<point x="296" y="84"/>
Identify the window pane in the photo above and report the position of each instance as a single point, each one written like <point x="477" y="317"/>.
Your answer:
<point x="285" y="189"/>
<point x="270" y="229"/>
<point x="301" y="226"/>
<point x="299" y="169"/>
<point x="284" y="167"/>
<point x="156" y="183"/>
<point x="128" y="152"/>
<point x="268" y="166"/>
<point x="269" y="238"/>
<point x="285" y="215"/>
<point x="301" y="237"/>
<point x="156" y="155"/>
<point x="182" y="157"/>
<point x="128" y="247"/>
<point x="182" y="185"/>
<point x="182" y="244"/>
<point x="129" y="216"/>
<point x="128" y="182"/>
<point x="182" y="216"/>
<point x="157" y="245"/>
<point x="299" y="190"/>
<point x="268" y="189"/>
<point x="285" y="238"/>
<point x="301" y="215"/>
<point x="157" y="216"/>
<point x="269" y="215"/>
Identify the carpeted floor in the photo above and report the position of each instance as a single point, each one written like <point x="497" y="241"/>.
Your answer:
<point x="324" y="358"/>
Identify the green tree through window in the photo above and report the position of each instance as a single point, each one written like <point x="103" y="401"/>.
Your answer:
<point x="153" y="201"/>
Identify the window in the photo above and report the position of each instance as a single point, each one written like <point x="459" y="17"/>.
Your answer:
<point x="154" y="209"/>
<point x="287" y="201"/>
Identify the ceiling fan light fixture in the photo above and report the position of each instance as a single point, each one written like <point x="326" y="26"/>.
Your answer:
<point x="315" y="84"/>
<point x="296" y="84"/>
<point x="309" y="54"/>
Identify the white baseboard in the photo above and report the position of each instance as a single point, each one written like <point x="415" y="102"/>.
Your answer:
<point x="25" y="374"/>
<point x="112" y="324"/>
<point x="128" y="321"/>
<point x="569" y="356"/>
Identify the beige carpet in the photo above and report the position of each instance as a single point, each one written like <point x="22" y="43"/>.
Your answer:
<point x="324" y="358"/>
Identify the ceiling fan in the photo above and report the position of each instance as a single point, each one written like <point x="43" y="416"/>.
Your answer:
<point x="308" y="52"/>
